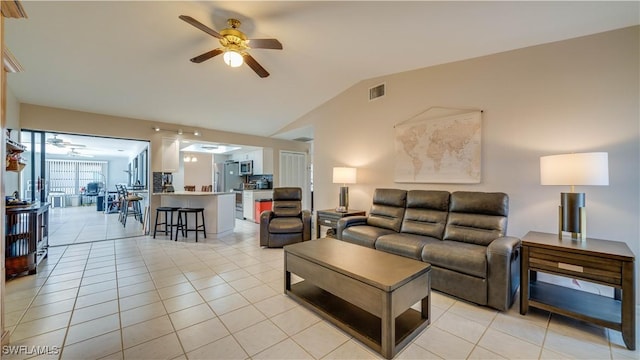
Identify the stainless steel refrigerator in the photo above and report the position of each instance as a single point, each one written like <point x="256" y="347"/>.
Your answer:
<point x="227" y="176"/>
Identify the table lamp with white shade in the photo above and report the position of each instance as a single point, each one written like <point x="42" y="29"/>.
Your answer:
<point x="574" y="169"/>
<point x="344" y="176"/>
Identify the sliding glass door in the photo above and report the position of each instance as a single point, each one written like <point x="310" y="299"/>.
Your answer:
<point x="32" y="183"/>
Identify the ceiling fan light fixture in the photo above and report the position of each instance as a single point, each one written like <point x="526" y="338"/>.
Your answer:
<point x="233" y="58"/>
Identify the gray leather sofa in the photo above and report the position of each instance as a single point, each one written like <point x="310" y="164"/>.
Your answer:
<point x="461" y="234"/>
<point x="286" y="223"/>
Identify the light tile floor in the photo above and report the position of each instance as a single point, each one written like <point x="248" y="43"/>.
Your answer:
<point x="81" y="224"/>
<point x="145" y="298"/>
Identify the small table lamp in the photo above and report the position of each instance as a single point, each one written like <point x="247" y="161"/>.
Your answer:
<point x="344" y="175"/>
<point x="574" y="169"/>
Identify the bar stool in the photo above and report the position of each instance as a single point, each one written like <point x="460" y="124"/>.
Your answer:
<point x="183" y="225"/>
<point x="131" y="202"/>
<point x="168" y="220"/>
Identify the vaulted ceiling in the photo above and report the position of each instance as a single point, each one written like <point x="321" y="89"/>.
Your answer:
<point x="131" y="58"/>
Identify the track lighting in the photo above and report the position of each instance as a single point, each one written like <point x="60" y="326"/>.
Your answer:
<point x="179" y="131"/>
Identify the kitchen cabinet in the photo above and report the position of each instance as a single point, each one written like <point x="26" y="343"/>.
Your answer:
<point x="262" y="160"/>
<point x="170" y="155"/>
<point x="248" y="201"/>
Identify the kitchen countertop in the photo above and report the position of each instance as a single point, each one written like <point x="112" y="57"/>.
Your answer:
<point x="193" y="193"/>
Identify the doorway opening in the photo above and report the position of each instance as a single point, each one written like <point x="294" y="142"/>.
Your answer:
<point x="78" y="175"/>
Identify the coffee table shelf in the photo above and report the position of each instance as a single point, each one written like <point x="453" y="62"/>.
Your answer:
<point x="351" y="318"/>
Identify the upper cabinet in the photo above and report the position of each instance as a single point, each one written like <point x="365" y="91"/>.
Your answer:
<point x="170" y="155"/>
<point x="14" y="157"/>
<point x="262" y="160"/>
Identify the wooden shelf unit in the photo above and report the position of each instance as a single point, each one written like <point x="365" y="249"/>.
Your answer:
<point x="26" y="238"/>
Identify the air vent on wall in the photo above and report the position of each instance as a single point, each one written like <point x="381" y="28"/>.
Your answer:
<point x="376" y="92"/>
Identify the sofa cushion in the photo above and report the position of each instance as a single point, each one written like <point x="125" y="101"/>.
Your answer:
<point x="477" y="217"/>
<point x="466" y="258"/>
<point x="426" y="213"/>
<point x="387" y="210"/>
<point x="364" y="235"/>
<point x="408" y="245"/>
<point x="285" y="225"/>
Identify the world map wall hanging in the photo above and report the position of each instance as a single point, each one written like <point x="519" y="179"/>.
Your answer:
<point x="439" y="149"/>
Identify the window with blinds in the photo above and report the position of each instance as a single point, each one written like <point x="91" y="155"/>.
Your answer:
<point x="69" y="176"/>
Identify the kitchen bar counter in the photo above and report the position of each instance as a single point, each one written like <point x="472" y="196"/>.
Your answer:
<point x="219" y="208"/>
<point x="194" y="193"/>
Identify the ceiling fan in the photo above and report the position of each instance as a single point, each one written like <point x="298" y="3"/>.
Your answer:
<point x="234" y="45"/>
<point x="55" y="141"/>
<point x="74" y="153"/>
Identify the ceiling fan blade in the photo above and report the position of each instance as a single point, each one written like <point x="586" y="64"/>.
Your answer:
<point x="206" y="56"/>
<point x="75" y="145"/>
<point x="253" y="64"/>
<point x="200" y="26"/>
<point x="265" y="44"/>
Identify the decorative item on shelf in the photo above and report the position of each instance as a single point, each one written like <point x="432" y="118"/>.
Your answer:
<point x="574" y="169"/>
<point x="15" y="163"/>
<point x="344" y="175"/>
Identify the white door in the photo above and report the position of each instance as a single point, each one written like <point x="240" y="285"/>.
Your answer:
<point x="293" y="172"/>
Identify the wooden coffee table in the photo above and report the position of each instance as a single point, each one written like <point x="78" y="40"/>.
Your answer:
<point x="366" y="292"/>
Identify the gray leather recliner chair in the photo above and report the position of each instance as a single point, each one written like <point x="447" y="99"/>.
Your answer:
<point x="286" y="223"/>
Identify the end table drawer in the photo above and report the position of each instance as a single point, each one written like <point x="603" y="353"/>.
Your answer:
<point x="331" y="222"/>
<point x="586" y="267"/>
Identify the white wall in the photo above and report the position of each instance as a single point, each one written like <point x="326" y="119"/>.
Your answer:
<point x="198" y="173"/>
<point x="571" y="96"/>
<point x="12" y="179"/>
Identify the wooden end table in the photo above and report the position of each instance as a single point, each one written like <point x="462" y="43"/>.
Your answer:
<point x="604" y="262"/>
<point x="330" y="217"/>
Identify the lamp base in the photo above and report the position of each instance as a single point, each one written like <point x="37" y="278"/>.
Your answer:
<point x="572" y="216"/>
<point x="344" y="199"/>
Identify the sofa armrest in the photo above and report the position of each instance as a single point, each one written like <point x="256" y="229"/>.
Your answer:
<point x="503" y="261"/>
<point x="345" y="222"/>
<point x="306" y="225"/>
<point x="265" y="218"/>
